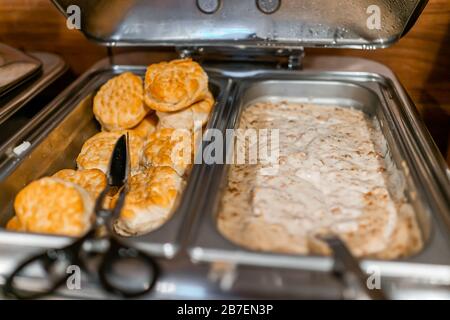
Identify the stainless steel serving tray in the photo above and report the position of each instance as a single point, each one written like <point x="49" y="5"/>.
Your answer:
<point x="53" y="67"/>
<point x="56" y="138"/>
<point x="214" y="268"/>
<point x="377" y="96"/>
<point x="10" y="56"/>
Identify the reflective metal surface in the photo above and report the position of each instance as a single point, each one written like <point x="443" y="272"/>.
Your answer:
<point x="15" y="68"/>
<point x="52" y="67"/>
<point x="205" y="264"/>
<point x="243" y="24"/>
<point x="56" y="145"/>
<point x="367" y="92"/>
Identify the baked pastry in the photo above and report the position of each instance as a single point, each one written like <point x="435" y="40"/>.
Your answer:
<point x="119" y="104"/>
<point x="55" y="206"/>
<point x="146" y="127"/>
<point x="175" y="85"/>
<point x="169" y="147"/>
<point x="150" y="201"/>
<point x="14" y="224"/>
<point x="92" y="180"/>
<point x="96" y="151"/>
<point x="191" y="118"/>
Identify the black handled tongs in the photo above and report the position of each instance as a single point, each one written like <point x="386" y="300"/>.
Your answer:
<point x="347" y="268"/>
<point x="122" y="270"/>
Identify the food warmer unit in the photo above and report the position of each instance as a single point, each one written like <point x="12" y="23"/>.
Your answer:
<point x="25" y="86"/>
<point x="251" y="50"/>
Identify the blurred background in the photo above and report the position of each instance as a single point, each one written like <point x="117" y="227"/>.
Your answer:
<point x="421" y="60"/>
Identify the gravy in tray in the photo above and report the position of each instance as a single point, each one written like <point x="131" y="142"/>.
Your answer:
<point x="334" y="176"/>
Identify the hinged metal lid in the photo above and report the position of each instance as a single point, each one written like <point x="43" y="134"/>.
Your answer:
<point x="366" y="24"/>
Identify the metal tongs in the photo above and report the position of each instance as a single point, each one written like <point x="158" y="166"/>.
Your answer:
<point x="346" y="267"/>
<point x="113" y="254"/>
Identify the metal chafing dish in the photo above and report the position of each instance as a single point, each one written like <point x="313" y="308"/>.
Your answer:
<point x="248" y="59"/>
<point x="377" y="96"/>
<point x="56" y="144"/>
<point x="16" y="68"/>
<point x="17" y="98"/>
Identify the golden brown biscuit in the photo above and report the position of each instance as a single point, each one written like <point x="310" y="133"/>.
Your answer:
<point x="175" y="85"/>
<point x="146" y="127"/>
<point x="169" y="147"/>
<point x="92" y="180"/>
<point x="119" y="104"/>
<point x="55" y="206"/>
<point x="14" y="224"/>
<point x="96" y="151"/>
<point x="191" y="118"/>
<point x="150" y="201"/>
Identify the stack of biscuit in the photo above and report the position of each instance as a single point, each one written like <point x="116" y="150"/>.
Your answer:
<point x="160" y="116"/>
<point x="178" y="93"/>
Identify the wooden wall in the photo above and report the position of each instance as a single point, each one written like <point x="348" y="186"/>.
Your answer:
<point x="421" y="59"/>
